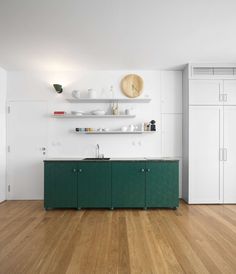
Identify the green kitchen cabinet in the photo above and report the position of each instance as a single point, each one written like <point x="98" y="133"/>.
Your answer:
<point x="94" y="184"/>
<point x="111" y="184"/>
<point x="60" y="185"/>
<point x="128" y="184"/>
<point x="162" y="184"/>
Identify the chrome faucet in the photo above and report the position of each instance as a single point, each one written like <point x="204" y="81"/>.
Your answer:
<point x="97" y="151"/>
<point x="98" y="155"/>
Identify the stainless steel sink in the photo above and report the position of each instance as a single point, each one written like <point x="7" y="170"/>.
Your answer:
<point x="96" y="159"/>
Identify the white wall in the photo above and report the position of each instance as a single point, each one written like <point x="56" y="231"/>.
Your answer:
<point x="3" y="85"/>
<point x="164" y="88"/>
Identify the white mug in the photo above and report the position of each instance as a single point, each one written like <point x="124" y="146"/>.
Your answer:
<point x="91" y="93"/>
<point x="127" y="112"/>
<point x="76" y="94"/>
<point x="131" y="127"/>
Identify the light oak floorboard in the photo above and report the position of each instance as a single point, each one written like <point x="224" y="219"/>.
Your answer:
<point x="191" y="239"/>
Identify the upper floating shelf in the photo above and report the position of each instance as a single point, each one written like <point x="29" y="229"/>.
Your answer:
<point x="104" y="100"/>
<point x="92" y="116"/>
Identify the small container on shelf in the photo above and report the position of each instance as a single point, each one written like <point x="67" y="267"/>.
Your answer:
<point x="140" y="127"/>
<point x="59" y="113"/>
<point x="131" y="128"/>
<point x="129" y="111"/>
<point x="76" y="94"/>
<point x="153" y="125"/>
<point x="145" y="127"/>
<point x="115" y="109"/>
<point x="92" y="93"/>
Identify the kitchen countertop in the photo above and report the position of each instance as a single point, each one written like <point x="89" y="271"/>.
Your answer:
<point x="113" y="159"/>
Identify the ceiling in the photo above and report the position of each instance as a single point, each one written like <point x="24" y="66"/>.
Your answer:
<point x="115" y="34"/>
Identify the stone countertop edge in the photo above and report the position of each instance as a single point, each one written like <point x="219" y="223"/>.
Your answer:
<point x="112" y="159"/>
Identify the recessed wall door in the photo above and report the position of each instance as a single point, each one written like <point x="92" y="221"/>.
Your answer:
<point x="27" y="143"/>
<point x="229" y="154"/>
<point x="205" y="154"/>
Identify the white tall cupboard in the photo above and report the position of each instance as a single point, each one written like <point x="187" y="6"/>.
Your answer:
<point x="229" y="190"/>
<point x="209" y="138"/>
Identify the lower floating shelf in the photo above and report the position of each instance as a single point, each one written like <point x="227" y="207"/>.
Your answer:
<point x="114" y="132"/>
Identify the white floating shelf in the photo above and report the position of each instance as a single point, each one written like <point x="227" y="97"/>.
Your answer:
<point x="104" y="100"/>
<point x="93" y="116"/>
<point x="114" y="132"/>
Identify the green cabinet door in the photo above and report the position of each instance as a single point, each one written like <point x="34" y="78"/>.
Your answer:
<point x="128" y="184"/>
<point x="94" y="184"/>
<point x="60" y="185"/>
<point x="162" y="184"/>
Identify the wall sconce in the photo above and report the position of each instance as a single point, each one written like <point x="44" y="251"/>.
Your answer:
<point x="58" y="88"/>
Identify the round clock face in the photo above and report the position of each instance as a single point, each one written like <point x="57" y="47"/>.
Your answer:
<point x="132" y="85"/>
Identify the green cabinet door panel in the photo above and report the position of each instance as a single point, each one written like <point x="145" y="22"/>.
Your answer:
<point x="128" y="184"/>
<point x="60" y="187"/>
<point x="162" y="184"/>
<point x="94" y="184"/>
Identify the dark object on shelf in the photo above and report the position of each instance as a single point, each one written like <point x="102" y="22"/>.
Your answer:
<point x="153" y="125"/>
<point x="58" y="88"/>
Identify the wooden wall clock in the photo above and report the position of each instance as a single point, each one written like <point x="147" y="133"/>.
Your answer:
<point x="132" y="85"/>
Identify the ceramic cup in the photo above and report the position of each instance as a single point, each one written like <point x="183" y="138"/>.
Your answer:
<point x="76" y="94"/>
<point x="91" y="93"/>
<point x="127" y="111"/>
<point x="131" y="127"/>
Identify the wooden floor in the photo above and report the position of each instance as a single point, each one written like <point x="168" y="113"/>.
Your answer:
<point x="192" y="239"/>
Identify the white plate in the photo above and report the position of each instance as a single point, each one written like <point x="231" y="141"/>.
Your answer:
<point x="77" y="112"/>
<point x="98" y="112"/>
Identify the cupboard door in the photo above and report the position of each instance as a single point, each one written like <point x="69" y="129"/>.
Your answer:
<point x="229" y="155"/>
<point x="162" y="184"/>
<point x="205" y="92"/>
<point x="60" y="185"/>
<point x="229" y="92"/>
<point x="205" y="167"/>
<point x="94" y="184"/>
<point x="128" y="184"/>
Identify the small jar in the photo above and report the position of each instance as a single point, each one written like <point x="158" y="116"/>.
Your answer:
<point x="145" y="126"/>
<point x="91" y="93"/>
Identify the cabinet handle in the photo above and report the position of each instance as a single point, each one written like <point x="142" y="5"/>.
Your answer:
<point x="221" y="97"/>
<point x="225" y="97"/>
<point x="142" y="169"/>
<point x="148" y="170"/>
<point x="80" y="170"/>
<point x="74" y="170"/>
<point x="225" y="154"/>
<point x="221" y="156"/>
